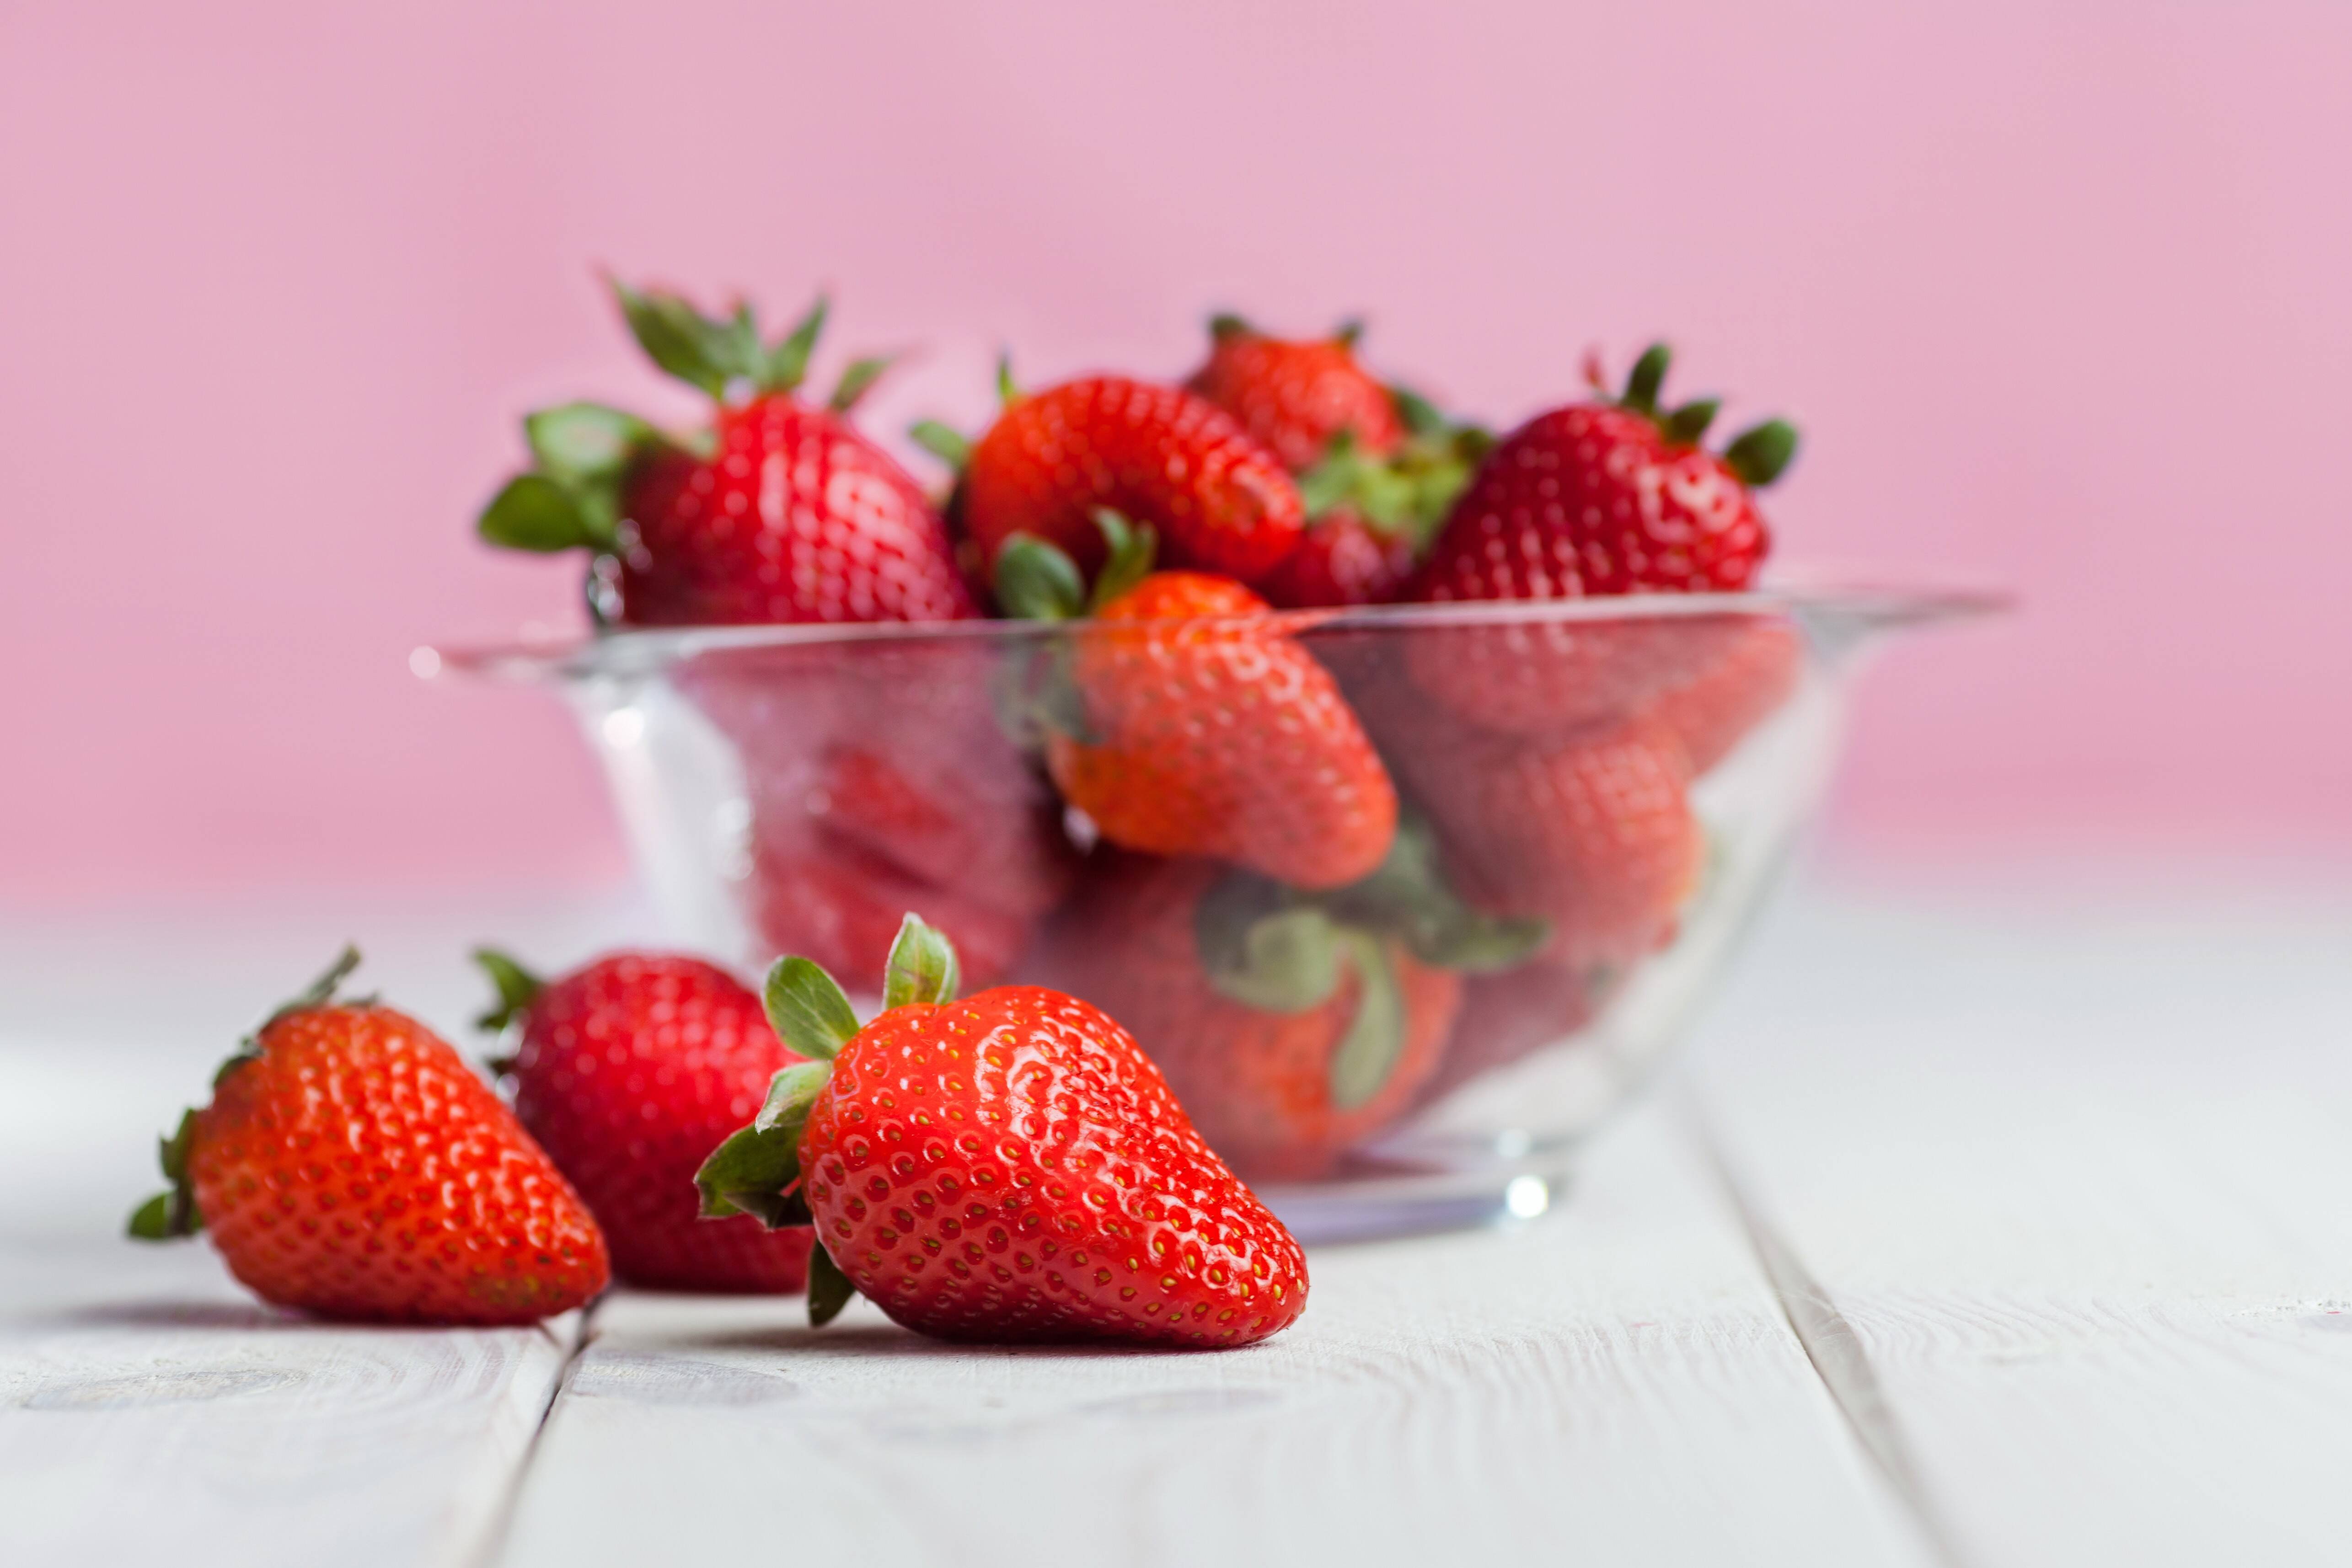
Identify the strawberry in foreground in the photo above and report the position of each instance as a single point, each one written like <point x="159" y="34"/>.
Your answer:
<point x="352" y="1164"/>
<point x="1599" y="498"/>
<point x="1221" y="502"/>
<point x="627" y="1071"/>
<point x="1006" y="1167"/>
<point x="782" y="512"/>
<point x="1189" y="730"/>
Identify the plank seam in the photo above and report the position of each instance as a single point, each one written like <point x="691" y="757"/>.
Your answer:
<point x="1831" y="1346"/>
<point x="495" y="1535"/>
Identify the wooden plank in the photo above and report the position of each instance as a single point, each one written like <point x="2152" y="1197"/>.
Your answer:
<point x="2073" y="1180"/>
<point x="1612" y="1384"/>
<point x="152" y="1412"/>
<point x="149" y="1410"/>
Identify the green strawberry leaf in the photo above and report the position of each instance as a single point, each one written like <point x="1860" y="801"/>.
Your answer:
<point x="1226" y="324"/>
<point x="757" y="1169"/>
<point x="922" y="966"/>
<point x="1419" y="417"/>
<point x="1038" y="581"/>
<point x="171" y="1214"/>
<point x="857" y="381"/>
<point x="1349" y="333"/>
<point x="1686" y="425"/>
<point x="516" y="987"/>
<point x="677" y="338"/>
<point x="786" y="364"/>
<point x="1648" y="378"/>
<point x="1368" y="1054"/>
<point x="1008" y="390"/>
<point x="536" y="513"/>
<point x="584" y="442"/>
<point x="808" y="1011"/>
<point x="829" y="1289"/>
<point x="1763" y="454"/>
<point x="1129" y="557"/>
<point x="1262" y="948"/>
<point x="948" y="445"/>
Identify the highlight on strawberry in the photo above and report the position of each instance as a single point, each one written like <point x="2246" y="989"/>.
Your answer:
<point x="350" y="1165"/>
<point x="1008" y="1166"/>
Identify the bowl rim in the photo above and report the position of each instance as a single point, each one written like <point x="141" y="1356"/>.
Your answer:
<point x="1851" y="609"/>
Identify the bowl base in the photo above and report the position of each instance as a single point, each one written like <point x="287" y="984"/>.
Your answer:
<point x="1381" y="1208"/>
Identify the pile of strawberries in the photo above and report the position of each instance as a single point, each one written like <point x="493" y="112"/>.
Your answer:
<point x="1321" y="865"/>
<point x="1325" y="868"/>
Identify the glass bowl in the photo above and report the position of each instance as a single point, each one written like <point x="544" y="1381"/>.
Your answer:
<point x="1404" y="900"/>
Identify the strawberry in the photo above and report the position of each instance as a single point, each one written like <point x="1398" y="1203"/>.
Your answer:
<point x="1294" y="396"/>
<point x="1006" y="1167"/>
<point x="782" y="512"/>
<point x="1342" y="561"/>
<point x="880" y="785"/>
<point x="352" y="1165"/>
<point x="1595" y="498"/>
<point x="1593" y="833"/>
<point x="1290" y="1037"/>
<point x="1746" y="684"/>
<point x="627" y="1071"/>
<point x="1221" y="502"/>
<point x="1202" y="729"/>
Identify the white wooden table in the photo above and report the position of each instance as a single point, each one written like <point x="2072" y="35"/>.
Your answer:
<point x="2007" y="1232"/>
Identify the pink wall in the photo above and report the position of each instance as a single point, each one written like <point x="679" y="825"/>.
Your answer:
<point x="2061" y="294"/>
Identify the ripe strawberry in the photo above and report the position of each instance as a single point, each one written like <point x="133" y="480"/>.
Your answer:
<point x="1007" y="1167"/>
<point x="1288" y="1036"/>
<point x="1342" y="561"/>
<point x="1746" y="684"/>
<point x="785" y="512"/>
<point x="1593" y="833"/>
<point x="1200" y="733"/>
<point x="1294" y="396"/>
<point x="628" y="1072"/>
<point x="1221" y="502"/>
<point x="878" y="786"/>
<point x="352" y="1164"/>
<point x="1595" y="498"/>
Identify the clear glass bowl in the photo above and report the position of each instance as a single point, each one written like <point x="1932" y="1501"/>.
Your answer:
<point x="1594" y="797"/>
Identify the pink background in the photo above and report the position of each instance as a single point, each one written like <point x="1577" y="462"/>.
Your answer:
<point x="2060" y="294"/>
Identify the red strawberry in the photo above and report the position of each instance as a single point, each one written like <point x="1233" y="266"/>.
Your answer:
<point x="1295" y="396"/>
<point x="1200" y="733"/>
<point x="1596" y="499"/>
<point x="786" y="513"/>
<point x="1342" y="561"/>
<point x="1746" y="684"/>
<point x="628" y="1072"/>
<point x="1220" y="501"/>
<point x="1288" y="1036"/>
<point x="1593" y="833"/>
<point x="352" y="1164"/>
<point x="1006" y="1167"/>
<point x="878" y="785"/>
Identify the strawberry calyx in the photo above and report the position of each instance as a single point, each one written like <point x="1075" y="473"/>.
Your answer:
<point x="1758" y="455"/>
<point x="757" y="1169"/>
<point x="1279" y="950"/>
<point x="583" y="452"/>
<point x="516" y="989"/>
<point x="172" y="1213"/>
<point x="1408" y="491"/>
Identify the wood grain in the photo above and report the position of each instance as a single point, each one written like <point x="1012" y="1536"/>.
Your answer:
<point x="1614" y="1384"/>
<point x="151" y="1412"/>
<point x="2076" y="1179"/>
